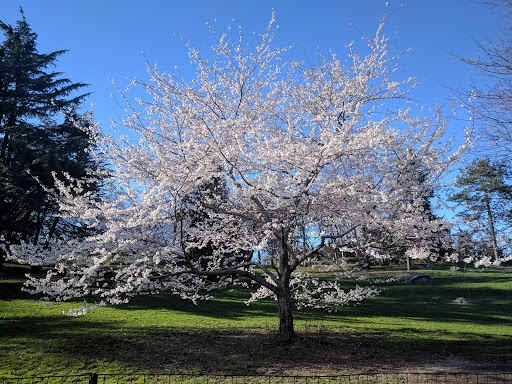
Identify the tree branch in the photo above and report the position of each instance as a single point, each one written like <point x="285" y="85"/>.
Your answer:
<point x="321" y="245"/>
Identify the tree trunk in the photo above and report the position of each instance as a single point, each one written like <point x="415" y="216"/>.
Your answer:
<point x="284" y="302"/>
<point x="2" y="258"/>
<point x="5" y="141"/>
<point x="284" y="299"/>
<point x="492" y="233"/>
<point x="52" y="231"/>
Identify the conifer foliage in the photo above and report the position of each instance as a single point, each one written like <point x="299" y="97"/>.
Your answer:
<point x="485" y="196"/>
<point x="35" y="138"/>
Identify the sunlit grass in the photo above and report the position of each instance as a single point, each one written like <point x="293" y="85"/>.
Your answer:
<point x="36" y="339"/>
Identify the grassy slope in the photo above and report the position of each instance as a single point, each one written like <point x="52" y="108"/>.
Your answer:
<point x="402" y="327"/>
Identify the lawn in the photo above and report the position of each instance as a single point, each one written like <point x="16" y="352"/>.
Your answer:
<point x="403" y="328"/>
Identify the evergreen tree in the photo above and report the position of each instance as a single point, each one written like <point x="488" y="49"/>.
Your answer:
<point x="35" y="140"/>
<point x="196" y="214"/>
<point x="485" y="198"/>
<point x="415" y="179"/>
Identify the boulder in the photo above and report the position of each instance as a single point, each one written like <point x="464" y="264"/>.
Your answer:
<point x="454" y="269"/>
<point x="412" y="278"/>
<point x="463" y="300"/>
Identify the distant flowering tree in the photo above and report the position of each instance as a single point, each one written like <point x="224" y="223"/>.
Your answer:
<point x="293" y="144"/>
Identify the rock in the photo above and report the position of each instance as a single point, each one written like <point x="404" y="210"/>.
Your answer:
<point x="412" y="278"/>
<point x="402" y="279"/>
<point x="462" y="300"/>
<point x="454" y="269"/>
<point x="421" y="279"/>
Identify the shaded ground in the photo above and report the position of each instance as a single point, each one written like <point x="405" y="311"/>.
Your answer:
<point x="242" y="353"/>
<point x="239" y="352"/>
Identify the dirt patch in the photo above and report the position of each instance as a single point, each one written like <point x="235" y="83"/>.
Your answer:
<point x="446" y="364"/>
<point x="262" y="354"/>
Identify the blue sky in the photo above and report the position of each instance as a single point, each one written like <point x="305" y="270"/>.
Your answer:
<point x="105" y="38"/>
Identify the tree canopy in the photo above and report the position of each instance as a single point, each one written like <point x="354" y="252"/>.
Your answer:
<point x="294" y="144"/>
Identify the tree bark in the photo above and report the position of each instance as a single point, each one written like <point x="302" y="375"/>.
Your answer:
<point x="52" y="231"/>
<point x="492" y="233"/>
<point x="3" y="152"/>
<point x="284" y="299"/>
<point x="2" y="258"/>
<point x="284" y="302"/>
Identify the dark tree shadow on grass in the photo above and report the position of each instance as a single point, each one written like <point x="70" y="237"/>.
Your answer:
<point x="242" y="351"/>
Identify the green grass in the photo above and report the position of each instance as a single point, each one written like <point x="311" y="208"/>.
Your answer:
<point x="166" y="334"/>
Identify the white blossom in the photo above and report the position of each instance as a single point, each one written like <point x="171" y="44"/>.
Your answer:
<point x="418" y="253"/>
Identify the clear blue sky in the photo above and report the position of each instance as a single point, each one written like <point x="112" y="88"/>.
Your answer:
<point x="105" y="37"/>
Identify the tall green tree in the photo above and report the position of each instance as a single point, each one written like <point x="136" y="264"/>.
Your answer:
<point x="35" y="139"/>
<point x="485" y="198"/>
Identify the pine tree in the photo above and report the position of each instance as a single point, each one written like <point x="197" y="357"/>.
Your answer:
<point x="35" y="140"/>
<point x="485" y="198"/>
<point x="197" y="216"/>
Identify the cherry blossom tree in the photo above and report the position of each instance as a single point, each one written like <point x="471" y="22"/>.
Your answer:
<point x="293" y="144"/>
